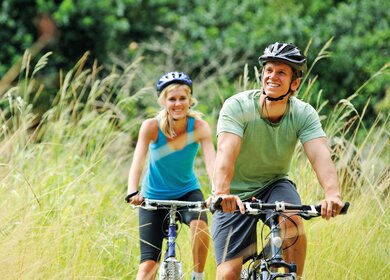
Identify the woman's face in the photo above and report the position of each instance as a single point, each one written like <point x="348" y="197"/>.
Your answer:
<point x="177" y="102"/>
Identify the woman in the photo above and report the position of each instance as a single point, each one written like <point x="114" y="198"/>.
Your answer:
<point x="172" y="141"/>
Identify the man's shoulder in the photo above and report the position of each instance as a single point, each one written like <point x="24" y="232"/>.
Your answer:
<point x="243" y="98"/>
<point x="298" y="101"/>
<point x="300" y="105"/>
<point x="247" y="94"/>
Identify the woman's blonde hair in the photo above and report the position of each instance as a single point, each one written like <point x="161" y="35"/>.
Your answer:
<point x="163" y="116"/>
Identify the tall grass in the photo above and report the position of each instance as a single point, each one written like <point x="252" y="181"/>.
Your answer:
<point x="62" y="184"/>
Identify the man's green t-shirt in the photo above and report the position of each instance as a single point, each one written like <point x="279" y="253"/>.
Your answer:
<point x="266" y="148"/>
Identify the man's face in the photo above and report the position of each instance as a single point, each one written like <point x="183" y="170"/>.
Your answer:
<point x="277" y="78"/>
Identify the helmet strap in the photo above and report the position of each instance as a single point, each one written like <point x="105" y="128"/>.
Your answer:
<point x="277" y="98"/>
<point x="282" y="96"/>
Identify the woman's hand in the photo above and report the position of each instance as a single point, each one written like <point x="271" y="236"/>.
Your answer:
<point x="134" y="198"/>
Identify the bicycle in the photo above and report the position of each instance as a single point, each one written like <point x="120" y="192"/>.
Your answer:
<point x="266" y="264"/>
<point x="171" y="267"/>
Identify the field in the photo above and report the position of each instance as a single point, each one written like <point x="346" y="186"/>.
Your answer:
<point x="63" y="182"/>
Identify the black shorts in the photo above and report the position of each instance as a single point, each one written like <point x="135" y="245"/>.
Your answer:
<point x="234" y="235"/>
<point x="153" y="226"/>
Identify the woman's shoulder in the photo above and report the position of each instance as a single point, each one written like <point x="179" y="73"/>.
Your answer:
<point x="198" y="123"/>
<point x="202" y="129"/>
<point x="150" y="127"/>
<point x="150" y="123"/>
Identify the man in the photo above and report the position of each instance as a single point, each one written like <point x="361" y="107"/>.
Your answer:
<point x="257" y="134"/>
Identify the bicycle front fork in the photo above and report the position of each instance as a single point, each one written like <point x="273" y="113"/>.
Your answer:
<point x="170" y="268"/>
<point x="269" y="270"/>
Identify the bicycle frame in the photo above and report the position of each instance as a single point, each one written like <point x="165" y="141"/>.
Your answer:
<point x="271" y="257"/>
<point x="170" y="267"/>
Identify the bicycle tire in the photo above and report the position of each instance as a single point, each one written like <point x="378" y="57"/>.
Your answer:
<point x="170" y="270"/>
<point x="174" y="270"/>
<point x="244" y="274"/>
<point x="162" y="271"/>
<point x="276" y="276"/>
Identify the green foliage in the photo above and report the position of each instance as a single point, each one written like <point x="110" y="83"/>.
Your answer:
<point x="211" y="40"/>
<point x="88" y="25"/>
<point x="16" y="34"/>
<point x="360" y="48"/>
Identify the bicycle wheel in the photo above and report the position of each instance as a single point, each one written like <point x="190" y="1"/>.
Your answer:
<point x="275" y="276"/>
<point x="170" y="270"/>
<point x="244" y="274"/>
<point x="174" y="270"/>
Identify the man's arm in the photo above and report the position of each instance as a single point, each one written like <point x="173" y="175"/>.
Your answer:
<point x="318" y="153"/>
<point x="228" y="149"/>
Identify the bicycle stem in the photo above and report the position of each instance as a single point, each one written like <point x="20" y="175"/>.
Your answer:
<point x="275" y="239"/>
<point x="276" y="250"/>
<point x="172" y="232"/>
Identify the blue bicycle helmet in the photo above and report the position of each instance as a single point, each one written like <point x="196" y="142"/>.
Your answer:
<point x="286" y="53"/>
<point x="170" y="78"/>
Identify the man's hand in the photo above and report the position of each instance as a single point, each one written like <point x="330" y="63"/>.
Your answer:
<point x="230" y="203"/>
<point x="331" y="206"/>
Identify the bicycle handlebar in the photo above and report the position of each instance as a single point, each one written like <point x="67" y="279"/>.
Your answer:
<point x="154" y="204"/>
<point x="257" y="207"/>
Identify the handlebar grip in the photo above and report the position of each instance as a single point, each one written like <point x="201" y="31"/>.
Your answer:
<point x="343" y="210"/>
<point x="214" y="206"/>
<point x="130" y="195"/>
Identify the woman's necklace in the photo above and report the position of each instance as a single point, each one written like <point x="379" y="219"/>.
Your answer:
<point x="179" y="132"/>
